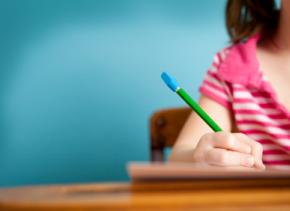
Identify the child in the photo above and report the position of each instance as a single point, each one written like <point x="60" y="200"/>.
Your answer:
<point x="246" y="91"/>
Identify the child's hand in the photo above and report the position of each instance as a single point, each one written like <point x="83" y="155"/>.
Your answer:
<point x="229" y="149"/>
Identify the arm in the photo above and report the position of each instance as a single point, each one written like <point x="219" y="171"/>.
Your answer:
<point x="199" y="144"/>
<point x="195" y="128"/>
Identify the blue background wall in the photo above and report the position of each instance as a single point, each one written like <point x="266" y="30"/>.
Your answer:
<point x="79" y="80"/>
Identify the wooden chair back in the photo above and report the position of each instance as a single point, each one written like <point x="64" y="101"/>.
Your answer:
<point x="165" y="126"/>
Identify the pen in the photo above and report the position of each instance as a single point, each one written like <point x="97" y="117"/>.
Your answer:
<point x="174" y="86"/>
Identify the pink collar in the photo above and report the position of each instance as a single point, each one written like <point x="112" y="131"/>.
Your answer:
<point x="241" y="65"/>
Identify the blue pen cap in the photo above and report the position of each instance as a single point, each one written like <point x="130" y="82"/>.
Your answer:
<point x="170" y="82"/>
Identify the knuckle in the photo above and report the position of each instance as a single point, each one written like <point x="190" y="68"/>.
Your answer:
<point x="206" y="137"/>
<point x="222" y="158"/>
<point x="259" y="146"/>
<point x="242" y="135"/>
<point x="208" y="156"/>
<point x="223" y="134"/>
<point x="230" y="141"/>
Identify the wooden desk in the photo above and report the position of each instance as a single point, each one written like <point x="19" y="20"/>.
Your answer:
<point x="167" y="195"/>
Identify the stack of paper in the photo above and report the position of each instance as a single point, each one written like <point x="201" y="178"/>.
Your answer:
<point x="145" y="171"/>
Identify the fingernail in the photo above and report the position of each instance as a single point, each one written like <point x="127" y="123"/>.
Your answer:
<point x="249" y="161"/>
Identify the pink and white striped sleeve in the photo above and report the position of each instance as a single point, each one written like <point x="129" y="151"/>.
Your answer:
<point x="213" y="86"/>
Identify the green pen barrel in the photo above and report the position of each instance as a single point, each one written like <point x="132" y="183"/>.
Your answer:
<point x="182" y="93"/>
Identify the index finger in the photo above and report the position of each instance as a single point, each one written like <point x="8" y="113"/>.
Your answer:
<point x="231" y="142"/>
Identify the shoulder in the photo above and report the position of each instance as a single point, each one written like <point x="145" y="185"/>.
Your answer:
<point x="238" y="63"/>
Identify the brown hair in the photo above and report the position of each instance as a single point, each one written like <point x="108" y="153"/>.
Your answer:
<point x="245" y="18"/>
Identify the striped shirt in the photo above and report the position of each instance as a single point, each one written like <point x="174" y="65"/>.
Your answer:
<point x="236" y="81"/>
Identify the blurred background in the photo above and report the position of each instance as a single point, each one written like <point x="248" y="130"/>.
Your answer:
<point x="79" y="80"/>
